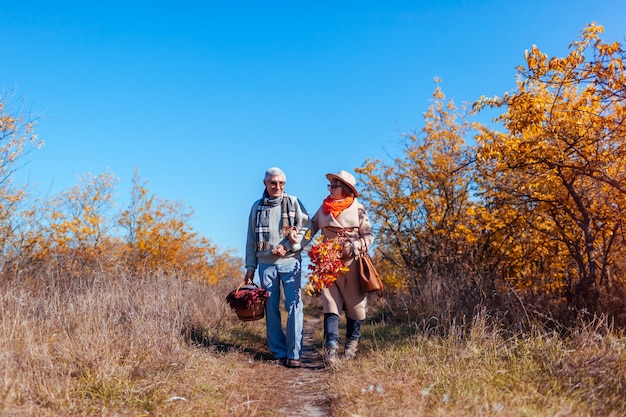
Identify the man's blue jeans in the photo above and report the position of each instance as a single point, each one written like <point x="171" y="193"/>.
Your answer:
<point x="283" y="344"/>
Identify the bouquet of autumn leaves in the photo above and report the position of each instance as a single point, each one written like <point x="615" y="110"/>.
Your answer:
<point x="326" y="264"/>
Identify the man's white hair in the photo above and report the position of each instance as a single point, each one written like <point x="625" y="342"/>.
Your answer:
<point x="275" y="171"/>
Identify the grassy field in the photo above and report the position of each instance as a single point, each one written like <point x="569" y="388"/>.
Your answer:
<point x="156" y="346"/>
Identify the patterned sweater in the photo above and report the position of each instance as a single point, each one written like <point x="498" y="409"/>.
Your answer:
<point x="254" y="256"/>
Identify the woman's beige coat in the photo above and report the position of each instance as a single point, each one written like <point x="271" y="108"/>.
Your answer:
<point x="352" y="223"/>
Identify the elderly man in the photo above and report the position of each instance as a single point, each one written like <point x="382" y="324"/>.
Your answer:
<point x="276" y="225"/>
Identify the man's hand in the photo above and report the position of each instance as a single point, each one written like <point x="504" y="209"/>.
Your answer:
<point x="293" y="235"/>
<point x="248" y="279"/>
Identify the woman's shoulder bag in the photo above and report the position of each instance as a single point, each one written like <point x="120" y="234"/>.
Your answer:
<point x="368" y="275"/>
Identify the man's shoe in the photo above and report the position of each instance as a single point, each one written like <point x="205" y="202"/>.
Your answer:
<point x="281" y="361"/>
<point x="294" y="363"/>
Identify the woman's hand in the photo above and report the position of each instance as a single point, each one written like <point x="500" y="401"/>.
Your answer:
<point x="346" y="250"/>
<point x="279" y="250"/>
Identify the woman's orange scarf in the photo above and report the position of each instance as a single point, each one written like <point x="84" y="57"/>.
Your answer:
<point x="335" y="207"/>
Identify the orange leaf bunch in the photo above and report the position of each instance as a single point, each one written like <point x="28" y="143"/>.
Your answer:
<point x="326" y="264"/>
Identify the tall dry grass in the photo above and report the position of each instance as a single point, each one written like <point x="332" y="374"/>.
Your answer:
<point x="107" y="345"/>
<point x="160" y="346"/>
<point x="483" y="370"/>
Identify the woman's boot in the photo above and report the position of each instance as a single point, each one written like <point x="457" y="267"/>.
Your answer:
<point x="353" y="333"/>
<point x="350" y="349"/>
<point x="330" y="358"/>
<point x="331" y="339"/>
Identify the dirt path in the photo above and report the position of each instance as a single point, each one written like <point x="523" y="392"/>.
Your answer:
<point x="308" y="382"/>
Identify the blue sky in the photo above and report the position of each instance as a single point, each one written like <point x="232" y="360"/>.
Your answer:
<point x="203" y="96"/>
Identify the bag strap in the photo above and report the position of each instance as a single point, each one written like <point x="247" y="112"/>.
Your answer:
<point x="364" y="251"/>
<point x="364" y="243"/>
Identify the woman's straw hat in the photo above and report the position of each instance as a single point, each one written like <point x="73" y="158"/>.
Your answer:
<point x="346" y="178"/>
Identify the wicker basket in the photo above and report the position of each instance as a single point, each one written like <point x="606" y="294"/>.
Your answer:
<point x="249" y="313"/>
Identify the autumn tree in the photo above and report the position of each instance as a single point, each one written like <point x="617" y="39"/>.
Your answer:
<point x="81" y="231"/>
<point x="160" y="237"/>
<point x="17" y="137"/>
<point x="534" y="206"/>
<point x="555" y="177"/>
<point x="76" y="231"/>
<point x="427" y="223"/>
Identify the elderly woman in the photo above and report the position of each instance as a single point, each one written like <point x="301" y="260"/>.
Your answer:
<point x="342" y="216"/>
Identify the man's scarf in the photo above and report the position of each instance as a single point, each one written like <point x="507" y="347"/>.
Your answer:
<point x="335" y="207"/>
<point x="262" y="229"/>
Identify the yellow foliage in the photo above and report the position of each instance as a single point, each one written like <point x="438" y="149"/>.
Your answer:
<point x="16" y="134"/>
<point x="536" y="205"/>
<point x="160" y="238"/>
<point x="76" y="232"/>
<point x="556" y="177"/>
<point x="422" y="202"/>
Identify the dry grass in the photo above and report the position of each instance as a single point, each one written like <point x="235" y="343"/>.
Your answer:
<point x="403" y="372"/>
<point x="121" y="346"/>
